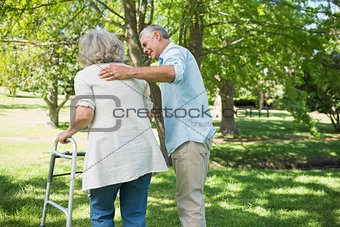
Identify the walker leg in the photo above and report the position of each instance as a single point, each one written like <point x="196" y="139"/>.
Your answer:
<point x="56" y="154"/>
<point x="71" y="193"/>
<point x="48" y="188"/>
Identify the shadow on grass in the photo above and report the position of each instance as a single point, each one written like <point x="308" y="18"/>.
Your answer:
<point x="20" y="96"/>
<point x="23" y="106"/>
<point x="162" y="208"/>
<point x="234" y="197"/>
<point x="277" y="155"/>
<point x="271" y="198"/>
<point x="268" y="128"/>
<point x="22" y="201"/>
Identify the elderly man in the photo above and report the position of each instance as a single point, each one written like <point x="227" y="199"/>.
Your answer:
<point x="188" y="124"/>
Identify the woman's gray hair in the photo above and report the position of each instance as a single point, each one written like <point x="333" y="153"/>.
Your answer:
<point x="100" y="47"/>
<point x="150" y="30"/>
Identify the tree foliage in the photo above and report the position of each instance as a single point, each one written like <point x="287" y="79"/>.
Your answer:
<point x="245" y="38"/>
<point x="322" y="84"/>
<point x="38" y="47"/>
<point x="233" y="41"/>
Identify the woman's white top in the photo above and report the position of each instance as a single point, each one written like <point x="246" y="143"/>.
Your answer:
<point x="120" y="148"/>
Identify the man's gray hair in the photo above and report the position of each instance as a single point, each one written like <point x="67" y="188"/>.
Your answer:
<point x="100" y="47"/>
<point x="150" y="31"/>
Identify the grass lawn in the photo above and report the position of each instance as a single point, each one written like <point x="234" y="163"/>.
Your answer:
<point x="277" y="155"/>
<point x="234" y="196"/>
<point x="276" y="127"/>
<point x="247" y="196"/>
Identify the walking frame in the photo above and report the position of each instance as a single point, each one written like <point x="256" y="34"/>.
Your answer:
<point x="55" y="154"/>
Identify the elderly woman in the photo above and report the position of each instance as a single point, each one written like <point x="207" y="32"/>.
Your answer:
<point x="122" y="152"/>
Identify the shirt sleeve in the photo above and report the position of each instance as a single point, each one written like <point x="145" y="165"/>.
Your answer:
<point x="176" y="58"/>
<point x="84" y="94"/>
<point x="146" y="97"/>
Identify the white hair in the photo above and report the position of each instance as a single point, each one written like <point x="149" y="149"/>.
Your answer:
<point x="150" y="30"/>
<point x="100" y="47"/>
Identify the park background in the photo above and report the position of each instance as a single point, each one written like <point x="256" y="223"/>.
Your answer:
<point x="280" y="57"/>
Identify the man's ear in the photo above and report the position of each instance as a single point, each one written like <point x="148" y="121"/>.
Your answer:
<point x="157" y="35"/>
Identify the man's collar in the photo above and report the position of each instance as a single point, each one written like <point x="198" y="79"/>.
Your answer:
<point x="160" y="58"/>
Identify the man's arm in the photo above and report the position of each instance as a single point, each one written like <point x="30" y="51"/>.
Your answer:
<point x="163" y="73"/>
<point x="84" y="116"/>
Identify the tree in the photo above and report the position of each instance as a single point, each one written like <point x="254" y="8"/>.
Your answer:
<point x="11" y="73"/>
<point x="322" y="85"/>
<point x="268" y="35"/>
<point x="43" y="37"/>
<point x="80" y="17"/>
<point x="243" y="38"/>
<point x="233" y="41"/>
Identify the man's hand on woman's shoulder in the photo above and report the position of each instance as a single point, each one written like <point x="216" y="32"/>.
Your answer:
<point x="116" y="72"/>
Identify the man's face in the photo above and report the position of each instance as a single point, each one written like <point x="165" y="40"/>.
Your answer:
<point x="150" y="46"/>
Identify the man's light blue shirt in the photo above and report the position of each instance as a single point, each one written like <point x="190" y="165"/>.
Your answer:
<point x="185" y="103"/>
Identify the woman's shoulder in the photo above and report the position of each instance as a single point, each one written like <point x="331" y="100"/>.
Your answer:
<point x="87" y="70"/>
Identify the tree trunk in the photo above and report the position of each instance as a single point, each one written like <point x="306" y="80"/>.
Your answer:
<point x="157" y="106"/>
<point x="157" y="100"/>
<point x="217" y="105"/>
<point x="337" y="128"/>
<point x="335" y="119"/>
<point x="12" y="91"/>
<point x="196" y="29"/>
<point x="131" y="34"/>
<point x="261" y="99"/>
<point x="52" y="102"/>
<point x="228" y="126"/>
<point x="139" y="59"/>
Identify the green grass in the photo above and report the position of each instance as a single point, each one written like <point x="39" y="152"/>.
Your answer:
<point x="234" y="197"/>
<point x="247" y="196"/>
<point x="275" y="128"/>
<point x="277" y="155"/>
